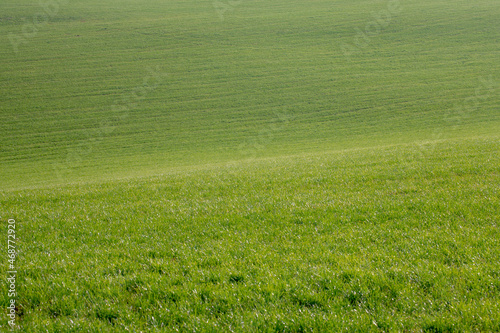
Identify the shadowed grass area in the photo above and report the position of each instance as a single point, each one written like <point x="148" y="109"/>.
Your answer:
<point x="107" y="89"/>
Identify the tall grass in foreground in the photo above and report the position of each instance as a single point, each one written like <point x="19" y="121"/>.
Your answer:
<point x="386" y="239"/>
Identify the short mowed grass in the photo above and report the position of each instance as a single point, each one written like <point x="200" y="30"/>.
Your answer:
<point x="172" y="169"/>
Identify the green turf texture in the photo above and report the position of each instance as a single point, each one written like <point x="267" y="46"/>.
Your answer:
<point x="382" y="239"/>
<point x="271" y="78"/>
<point x="254" y="166"/>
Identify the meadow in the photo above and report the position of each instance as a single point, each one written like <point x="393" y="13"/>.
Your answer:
<point x="283" y="166"/>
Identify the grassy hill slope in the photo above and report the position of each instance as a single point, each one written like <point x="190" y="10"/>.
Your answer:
<point x="260" y="166"/>
<point x="108" y="88"/>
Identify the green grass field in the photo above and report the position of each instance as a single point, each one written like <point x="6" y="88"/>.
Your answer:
<point x="251" y="166"/>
